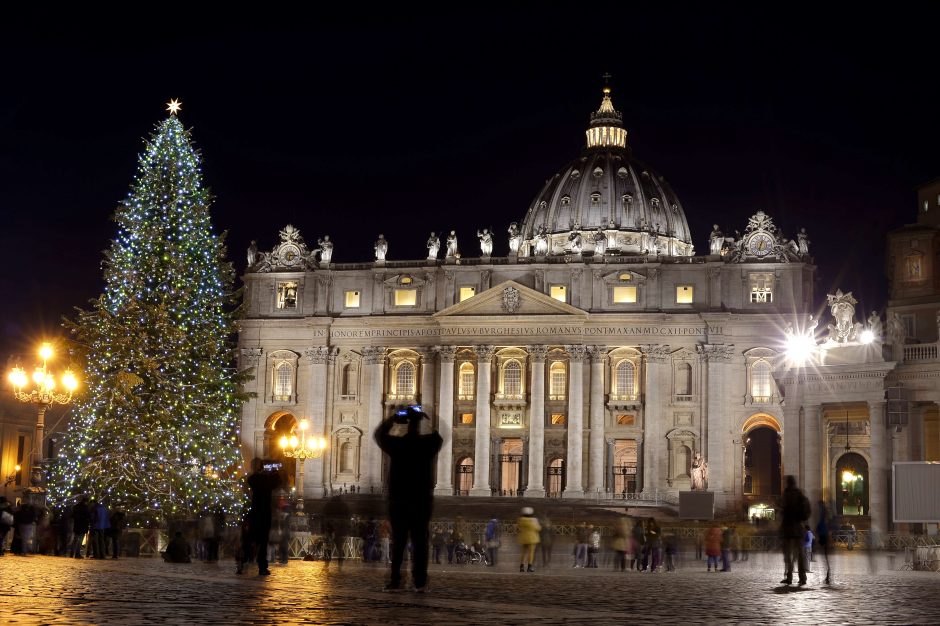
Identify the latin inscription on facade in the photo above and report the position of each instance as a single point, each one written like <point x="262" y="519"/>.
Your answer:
<point x="521" y="331"/>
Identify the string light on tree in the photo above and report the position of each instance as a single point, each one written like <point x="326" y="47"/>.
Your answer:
<point x="157" y="431"/>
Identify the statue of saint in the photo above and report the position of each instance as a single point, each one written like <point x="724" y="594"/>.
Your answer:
<point x="541" y="241"/>
<point x="434" y="245"/>
<point x="452" y="245"/>
<point x="381" y="248"/>
<point x="326" y="250"/>
<point x="896" y="331"/>
<point x="875" y="326"/>
<point x="515" y="238"/>
<point x="252" y="253"/>
<point x="699" y="473"/>
<point x="803" y="242"/>
<point x="600" y="241"/>
<point x="575" y="242"/>
<point x="716" y="240"/>
<point x="486" y="242"/>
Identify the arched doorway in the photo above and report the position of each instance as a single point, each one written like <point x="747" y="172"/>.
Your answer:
<point x="852" y="481"/>
<point x="556" y="478"/>
<point x="762" y="457"/>
<point x="510" y="467"/>
<point x="464" y="476"/>
<point x="277" y="426"/>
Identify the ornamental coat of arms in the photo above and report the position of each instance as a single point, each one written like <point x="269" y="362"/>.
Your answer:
<point x="510" y="299"/>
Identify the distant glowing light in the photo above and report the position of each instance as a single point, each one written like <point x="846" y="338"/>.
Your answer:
<point x="174" y="106"/>
<point x="867" y="336"/>
<point x="800" y="348"/>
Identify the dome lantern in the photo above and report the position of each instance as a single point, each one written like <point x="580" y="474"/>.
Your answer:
<point x="606" y="129"/>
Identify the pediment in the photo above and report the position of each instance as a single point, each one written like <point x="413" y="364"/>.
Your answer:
<point x="624" y="277"/>
<point x="510" y="298"/>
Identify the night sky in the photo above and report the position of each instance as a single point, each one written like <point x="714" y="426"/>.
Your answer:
<point x="402" y="123"/>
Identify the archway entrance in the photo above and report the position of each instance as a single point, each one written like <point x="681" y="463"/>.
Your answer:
<point x="510" y="467"/>
<point x="556" y="478"/>
<point x="852" y="481"/>
<point x="464" y="476"/>
<point x="762" y="462"/>
<point x="277" y="426"/>
<point x="624" y="470"/>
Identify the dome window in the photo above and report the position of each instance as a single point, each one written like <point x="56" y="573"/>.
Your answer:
<point x="565" y="200"/>
<point x="598" y="172"/>
<point x="406" y="280"/>
<point x="595" y="198"/>
<point x="625" y="276"/>
<point x="622" y="172"/>
<point x="655" y="202"/>
<point x="575" y="174"/>
<point x="645" y="173"/>
<point x="627" y="198"/>
<point x="675" y="208"/>
<point x="543" y="204"/>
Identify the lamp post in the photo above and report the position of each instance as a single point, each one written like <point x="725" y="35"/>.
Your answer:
<point x="40" y="389"/>
<point x="302" y="449"/>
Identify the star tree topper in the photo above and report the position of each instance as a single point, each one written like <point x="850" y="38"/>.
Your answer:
<point x="173" y="106"/>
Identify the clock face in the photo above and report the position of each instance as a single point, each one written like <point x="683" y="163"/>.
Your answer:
<point x="289" y="254"/>
<point x="760" y="245"/>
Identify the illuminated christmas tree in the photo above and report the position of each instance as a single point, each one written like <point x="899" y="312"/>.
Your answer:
<point x="156" y="431"/>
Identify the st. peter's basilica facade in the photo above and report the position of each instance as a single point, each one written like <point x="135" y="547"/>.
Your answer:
<point x="601" y="359"/>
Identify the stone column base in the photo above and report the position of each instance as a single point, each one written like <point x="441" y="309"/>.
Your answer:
<point x="534" y="493"/>
<point x="443" y="491"/>
<point x="481" y="492"/>
<point x="568" y="494"/>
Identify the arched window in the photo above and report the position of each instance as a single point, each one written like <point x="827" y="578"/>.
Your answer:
<point x="761" y="389"/>
<point x="684" y="379"/>
<point x="557" y="380"/>
<point x="347" y="460"/>
<point x="405" y="379"/>
<point x="283" y="381"/>
<point x="466" y="382"/>
<point x="512" y="379"/>
<point x="626" y="379"/>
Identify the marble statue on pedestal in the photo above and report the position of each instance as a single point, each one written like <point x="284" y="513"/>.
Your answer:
<point x="803" y="242"/>
<point x="846" y="328"/>
<point x="699" y="473"/>
<point x="434" y="245"/>
<point x="575" y="242"/>
<point x="896" y="331"/>
<point x="541" y="241"/>
<point x="381" y="248"/>
<point x="452" y="245"/>
<point x="326" y="250"/>
<point x="716" y="240"/>
<point x="600" y="241"/>
<point x="875" y="326"/>
<point x="515" y="238"/>
<point x="486" y="242"/>
<point x="252" y="253"/>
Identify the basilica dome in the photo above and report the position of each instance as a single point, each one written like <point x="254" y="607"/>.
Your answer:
<point x="606" y="202"/>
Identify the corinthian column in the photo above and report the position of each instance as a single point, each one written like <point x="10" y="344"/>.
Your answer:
<point x="812" y="454"/>
<point x="481" y="449"/>
<point x="445" y="423"/>
<point x="536" y="488"/>
<point x="596" y="442"/>
<point x="573" y="467"/>
<point x="717" y="359"/>
<point x="654" y="448"/>
<point x="320" y="358"/>
<point x="371" y="467"/>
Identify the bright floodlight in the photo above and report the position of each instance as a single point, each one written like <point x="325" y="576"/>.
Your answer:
<point x="867" y="336"/>
<point x="45" y="351"/>
<point x="18" y="377"/>
<point x="800" y="349"/>
<point x="304" y="424"/>
<point x="848" y="477"/>
<point x="283" y="442"/>
<point x="69" y="380"/>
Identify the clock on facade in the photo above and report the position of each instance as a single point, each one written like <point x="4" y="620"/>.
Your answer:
<point x="760" y="244"/>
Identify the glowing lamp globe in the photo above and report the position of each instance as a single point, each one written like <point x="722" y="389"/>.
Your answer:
<point x="867" y="336"/>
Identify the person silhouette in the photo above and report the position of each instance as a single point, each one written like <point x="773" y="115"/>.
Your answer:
<point x="410" y="490"/>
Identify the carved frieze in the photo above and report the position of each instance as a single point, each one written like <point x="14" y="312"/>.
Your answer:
<point x="484" y="353"/>
<point x="446" y="353"/>
<point x="716" y="353"/>
<point x="597" y="353"/>
<point x="372" y="355"/>
<point x="252" y="356"/>
<point x="576" y="353"/>
<point x="655" y="353"/>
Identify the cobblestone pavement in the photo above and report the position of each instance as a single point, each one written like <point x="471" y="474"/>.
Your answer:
<point x="147" y="591"/>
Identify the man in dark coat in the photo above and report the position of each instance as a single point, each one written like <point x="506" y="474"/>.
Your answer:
<point x="410" y="490"/>
<point x="262" y="484"/>
<point x="81" y="521"/>
<point x="795" y="511"/>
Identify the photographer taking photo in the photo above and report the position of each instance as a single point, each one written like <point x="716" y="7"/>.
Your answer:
<point x="410" y="489"/>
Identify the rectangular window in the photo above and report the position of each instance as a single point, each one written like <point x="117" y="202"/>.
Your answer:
<point x="684" y="294"/>
<point x="352" y="299"/>
<point x="559" y="292"/>
<point x="625" y="295"/>
<point x="626" y="420"/>
<point x="467" y="292"/>
<point x="287" y="295"/>
<point x="762" y="288"/>
<point x="406" y="297"/>
<point x="558" y="419"/>
<point x="909" y="326"/>
<point x="466" y="418"/>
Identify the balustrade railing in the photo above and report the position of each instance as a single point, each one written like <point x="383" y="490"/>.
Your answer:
<point x="921" y="352"/>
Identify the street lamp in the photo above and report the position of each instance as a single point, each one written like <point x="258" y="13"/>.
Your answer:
<point x="40" y="389"/>
<point x="302" y="449"/>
